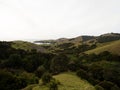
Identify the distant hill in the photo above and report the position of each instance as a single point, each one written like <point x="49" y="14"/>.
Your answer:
<point x="67" y="40"/>
<point x="94" y="43"/>
<point x="85" y="39"/>
<point x="69" y="43"/>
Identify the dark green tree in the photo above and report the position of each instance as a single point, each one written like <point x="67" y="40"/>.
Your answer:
<point x="83" y="74"/>
<point x="59" y="63"/>
<point x="40" y="71"/>
<point x="14" y="61"/>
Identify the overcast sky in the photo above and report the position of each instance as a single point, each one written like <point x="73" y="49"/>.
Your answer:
<point x="50" y="19"/>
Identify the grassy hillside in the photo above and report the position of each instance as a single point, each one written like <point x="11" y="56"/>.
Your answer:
<point x="27" y="46"/>
<point x="112" y="47"/>
<point x="68" y="81"/>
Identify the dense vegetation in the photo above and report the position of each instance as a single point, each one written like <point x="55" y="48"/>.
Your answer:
<point x="20" y="68"/>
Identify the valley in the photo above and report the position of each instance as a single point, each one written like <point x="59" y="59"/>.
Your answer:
<point x="80" y="63"/>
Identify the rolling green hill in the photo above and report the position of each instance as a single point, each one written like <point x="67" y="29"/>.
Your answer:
<point x="72" y="82"/>
<point x="112" y="47"/>
<point x="108" y="37"/>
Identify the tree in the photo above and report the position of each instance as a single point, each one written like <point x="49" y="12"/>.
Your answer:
<point x="40" y="71"/>
<point x="7" y="81"/>
<point x="59" y="63"/>
<point x="107" y="85"/>
<point x="83" y="74"/>
<point x="96" y="71"/>
<point x="14" y="61"/>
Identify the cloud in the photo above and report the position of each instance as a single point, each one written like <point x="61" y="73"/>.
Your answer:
<point x="46" y="19"/>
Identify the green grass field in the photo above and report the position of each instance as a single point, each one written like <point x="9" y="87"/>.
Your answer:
<point x="69" y="81"/>
<point x="112" y="47"/>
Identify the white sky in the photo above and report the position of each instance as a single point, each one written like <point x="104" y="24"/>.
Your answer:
<point x="50" y="19"/>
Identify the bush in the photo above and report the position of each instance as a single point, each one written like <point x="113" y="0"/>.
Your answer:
<point x="97" y="87"/>
<point x="40" y="71"/>
<point x="96" y="71"/>
<point x="10" y="82"/>
<point x="93" y="81"/>
<point x="72" y="66"/>
<point x="29" y="78"/>
<point x="46" y="78"/>
<point x="83" y="74"/>
<point x="53" y="85"/>
<point x="115" y="87"/>
<point x="106" y="85"/>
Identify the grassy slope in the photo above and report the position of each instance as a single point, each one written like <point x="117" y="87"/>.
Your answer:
<point x="69" y="81"/>
<point x="22" y="45"/>
<point x="26" y="46"/>
<point x="112" y="47"/>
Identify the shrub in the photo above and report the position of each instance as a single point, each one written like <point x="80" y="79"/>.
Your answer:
<point x="93" y="81"/>
<point x="10" y="82"/>
<point x="83" y="74"/>
<point x="106" y="85"/>
<point x="53" y="85"/>
<point x="29" y="78"/>
<point x="40" y="71"/>
<point x="115" y="87"/>
<point x="46" y="78"/>
<point x="96" y="71"/>
<point x="7" y="81"/>
<point x="72" y="66"/>
<point x="59" y="63"/>
<point x="97" y="87"/>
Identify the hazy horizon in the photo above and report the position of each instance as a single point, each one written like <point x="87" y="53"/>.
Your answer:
<point x="37" y="39"/>
<point x="53" y="19"/>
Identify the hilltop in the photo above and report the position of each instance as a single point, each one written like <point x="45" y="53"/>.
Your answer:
<point x="88" y="44"/>
<point x="83" y="39"/>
